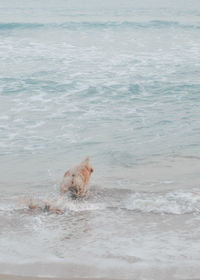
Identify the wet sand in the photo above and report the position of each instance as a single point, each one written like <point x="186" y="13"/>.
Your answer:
<point x="16" y="277"/>
<point x="173" y="273"/>
<point x="76" y="272"/>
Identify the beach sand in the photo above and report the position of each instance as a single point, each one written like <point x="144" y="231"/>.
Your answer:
<point x="154" y="272"/>
<point x="16" y="277"/>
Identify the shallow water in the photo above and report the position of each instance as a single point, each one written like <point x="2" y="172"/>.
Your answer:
<point x="118" y="81"/>
<point x="127" y="225"/>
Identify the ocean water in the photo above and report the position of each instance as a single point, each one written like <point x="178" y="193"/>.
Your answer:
<point x="118" y="81"/>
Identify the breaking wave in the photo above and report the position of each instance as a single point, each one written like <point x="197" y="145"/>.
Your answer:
<point x="165" y="203"/>
<point x="158" y="24"/>
<point x="177" y="202"/>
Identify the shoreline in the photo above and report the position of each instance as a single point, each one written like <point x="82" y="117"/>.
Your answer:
<point x="17" y="277"/>
<point x="154" y="272"/>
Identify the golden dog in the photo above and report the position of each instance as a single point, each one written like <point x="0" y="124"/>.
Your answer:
<point x="46" y="207"/>
<point x="77" y="178"/>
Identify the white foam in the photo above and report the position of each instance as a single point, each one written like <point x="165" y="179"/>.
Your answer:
<point x="83" y="206"/>
<point x="67" y="204"/>
<point x="178" y="202"/>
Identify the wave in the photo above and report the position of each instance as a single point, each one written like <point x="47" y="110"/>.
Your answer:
<point x="16" y="25"/>
<point x="175" y="202"/>
<point x="168" y="203"/>
<point x="159" y="24"/>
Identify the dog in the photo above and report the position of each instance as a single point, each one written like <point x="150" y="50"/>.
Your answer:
<point x="44" y="206"/>
<point x="76" y="179"/>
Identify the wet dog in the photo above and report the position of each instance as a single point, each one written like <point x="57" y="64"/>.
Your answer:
<point x="76" y="179"/>
<point x="44" y="206"/>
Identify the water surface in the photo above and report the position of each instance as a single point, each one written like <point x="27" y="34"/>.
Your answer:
<point x="118" y="81"/>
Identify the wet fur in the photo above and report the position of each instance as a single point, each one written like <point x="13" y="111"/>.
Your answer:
<point x="47" y="207"/>
<point x="76" y="179"/>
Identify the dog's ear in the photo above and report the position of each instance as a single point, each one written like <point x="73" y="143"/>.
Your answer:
<point x="86" y="160"/>
<point x="66" y="173"/>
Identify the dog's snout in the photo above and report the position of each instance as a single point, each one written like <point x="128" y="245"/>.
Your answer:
<point x="77" y="178"/>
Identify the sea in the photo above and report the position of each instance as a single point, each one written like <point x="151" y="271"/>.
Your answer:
<point x="118" y="81"/>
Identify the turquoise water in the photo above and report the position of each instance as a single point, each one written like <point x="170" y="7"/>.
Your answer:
<point x="118" y="81"/>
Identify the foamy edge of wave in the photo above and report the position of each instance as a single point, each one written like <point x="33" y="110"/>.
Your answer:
<point x="174" y="202"/>
<point x="167" y="203"/>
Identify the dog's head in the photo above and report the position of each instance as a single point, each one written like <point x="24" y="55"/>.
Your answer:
<point x="87" y="166"/>
<point x="91" y="170"/>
